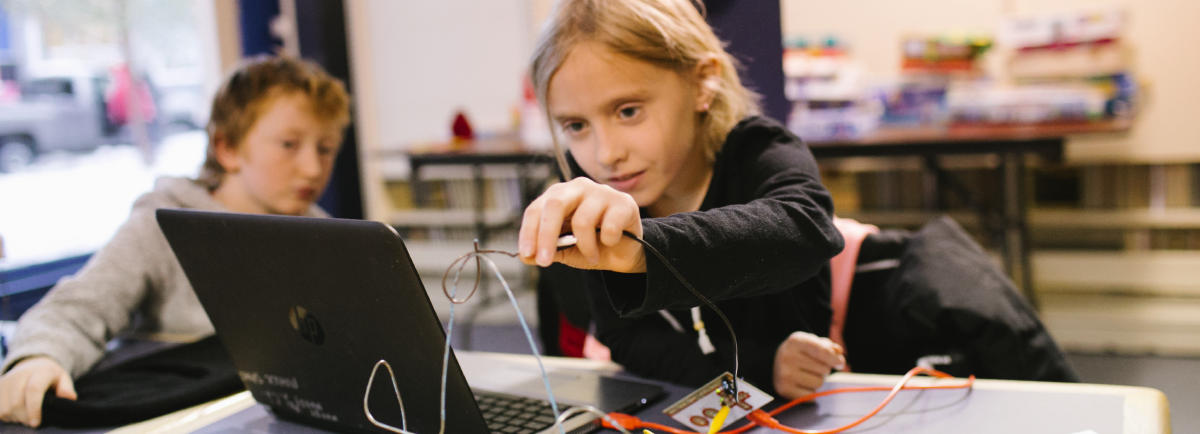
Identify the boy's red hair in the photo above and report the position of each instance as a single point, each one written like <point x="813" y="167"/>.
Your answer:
<point x="246" y="92"/>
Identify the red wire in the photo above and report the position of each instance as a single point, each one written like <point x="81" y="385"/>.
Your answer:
<point x="765" y="419"/>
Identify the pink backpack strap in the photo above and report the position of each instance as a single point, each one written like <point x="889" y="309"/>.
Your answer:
<point x="842" y="273"/>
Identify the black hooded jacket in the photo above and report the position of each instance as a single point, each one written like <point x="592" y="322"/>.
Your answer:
<point x="759" y="247"/>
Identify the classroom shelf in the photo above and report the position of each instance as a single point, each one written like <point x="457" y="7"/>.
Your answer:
<point x="1168" y="218"/>
<point x="448" y="217"/>
<point x="910" y="219"/>
<point x="1123" y="323"/>
<point x="1165" y="273"/>
<point x="434" y="257"/>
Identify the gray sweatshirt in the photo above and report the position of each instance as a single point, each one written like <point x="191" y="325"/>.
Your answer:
<point x="133" y="284"/>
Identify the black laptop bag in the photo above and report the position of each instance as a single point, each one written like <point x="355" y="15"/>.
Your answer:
<point x="147" y="387"/>
<point x="947" y="297"/>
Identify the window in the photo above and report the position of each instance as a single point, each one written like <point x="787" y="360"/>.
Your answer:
<point x="98" y="98"/>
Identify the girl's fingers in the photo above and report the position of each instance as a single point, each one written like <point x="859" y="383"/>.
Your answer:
<point x="583" y="225"/>
<point x="839" y="356"/>
<point x="527" y="236"/>
<point x="824" y="355"/>
<point x="791" y="391"/>
<point x="807" y="380"/>
<point x="797" y="384"/>
<point x="560" y="202"/>
<point x="616" y="220"/>
<point x="812" y="366"/>
<point x="821" y="349"/>
<point x="799" y="360"/>
<point x="582" y="207"/>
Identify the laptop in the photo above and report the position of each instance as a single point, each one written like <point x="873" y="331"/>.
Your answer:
<point x="306" y="307"/>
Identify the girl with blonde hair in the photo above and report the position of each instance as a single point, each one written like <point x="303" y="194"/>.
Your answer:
<point x="660" y="139"/>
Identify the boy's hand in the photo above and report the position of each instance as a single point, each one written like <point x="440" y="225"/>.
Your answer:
<point x="802" y="362"/>
<point x="582" y="206"/>
<point x="24" y="386"/>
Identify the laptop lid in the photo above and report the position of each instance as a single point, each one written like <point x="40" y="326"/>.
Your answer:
<point x="306" y="307"/>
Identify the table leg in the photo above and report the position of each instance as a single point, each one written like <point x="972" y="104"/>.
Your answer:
<point x="416" y="186"/>
<point x="481" y="236"/>
<point x="481" y="229"/>
<point x="929" y="184"/>
<point x="990" y="220"/>
<point x="1016" y="230"/>
<point x="480" y="204"/>
<point x="523" y="190"/>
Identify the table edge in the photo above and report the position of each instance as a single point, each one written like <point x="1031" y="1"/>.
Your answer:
<point x="1146" y="410"/>
<point x="191" y="419"/>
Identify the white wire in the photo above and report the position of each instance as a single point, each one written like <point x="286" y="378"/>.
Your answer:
<point x="366" y="409"/>
<point x="672" y="321"/>
<point x="559" y="418"/>
<point x="528" y="336"/>
<point x="589" y="409"/>
<point x="706" y="345"/>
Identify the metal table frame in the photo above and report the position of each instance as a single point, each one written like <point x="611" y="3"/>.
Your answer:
<point x="1010" y="143"/>
<point x="1012" y="221"/>
<point x="477" y="160"/>
<point x="508" y="153"/>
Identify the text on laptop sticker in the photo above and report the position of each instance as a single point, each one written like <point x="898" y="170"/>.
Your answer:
<point x="698" y="410"/>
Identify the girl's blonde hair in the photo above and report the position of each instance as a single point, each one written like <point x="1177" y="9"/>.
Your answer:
<point x="671" y="34"/>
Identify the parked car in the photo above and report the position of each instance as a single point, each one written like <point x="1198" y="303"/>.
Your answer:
<point x="70" y="112"/>
<point x="54" y="114"/>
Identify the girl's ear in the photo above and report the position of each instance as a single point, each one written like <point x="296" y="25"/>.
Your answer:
<point x="227" y="154"/>
<point x="708" y="78"/>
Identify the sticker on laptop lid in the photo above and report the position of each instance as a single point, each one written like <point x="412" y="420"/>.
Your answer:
<point x="697" y="410"/>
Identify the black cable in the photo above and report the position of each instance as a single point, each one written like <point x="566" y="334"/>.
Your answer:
<point x="730" y="388"/>
<point x="702" y="298"/>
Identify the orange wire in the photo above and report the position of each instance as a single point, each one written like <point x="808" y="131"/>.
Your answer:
<point x="765" y="419"/>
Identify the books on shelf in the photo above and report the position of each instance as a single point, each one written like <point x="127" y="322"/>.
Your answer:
<point x="1062" y="29"/>
<point x="943" y="54"/>
<point x="445" y="209"/>
<point x="1122" y="207"/>
<point x="829" y="97"/>
<point x="1079" y="61"/>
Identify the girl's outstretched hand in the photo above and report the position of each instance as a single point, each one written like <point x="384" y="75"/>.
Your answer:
<point x="581" y="206"/>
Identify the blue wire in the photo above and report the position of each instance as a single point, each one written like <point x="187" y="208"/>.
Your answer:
<point x="478" y="256"/>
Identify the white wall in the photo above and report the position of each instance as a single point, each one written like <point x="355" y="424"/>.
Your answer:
<point x="431" y="58"/>
<point x="1164" y="34"/>
<point x="416" y="62"/>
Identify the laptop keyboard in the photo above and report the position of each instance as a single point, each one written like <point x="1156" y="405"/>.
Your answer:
<point x="507" y="414"/>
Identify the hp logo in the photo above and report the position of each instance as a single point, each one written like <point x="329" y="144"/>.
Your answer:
<point x="307" y="325"/>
